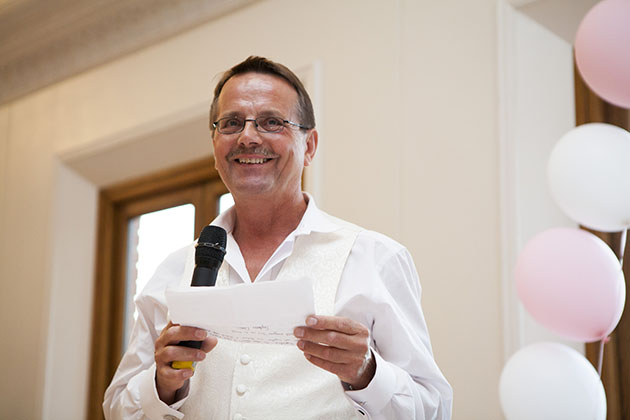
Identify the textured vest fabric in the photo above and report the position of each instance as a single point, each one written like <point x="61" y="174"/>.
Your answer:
<point x="265" y="381"/>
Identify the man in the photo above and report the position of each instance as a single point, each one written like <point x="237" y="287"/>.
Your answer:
<point x="365" y="354"/>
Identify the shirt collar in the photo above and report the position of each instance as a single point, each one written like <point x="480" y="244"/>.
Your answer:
<point x="313" y="220"/>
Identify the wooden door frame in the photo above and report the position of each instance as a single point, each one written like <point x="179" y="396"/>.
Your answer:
<point x="197" y="182"/>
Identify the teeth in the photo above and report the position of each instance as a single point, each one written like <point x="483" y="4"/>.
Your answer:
<point x="255" y="160"/>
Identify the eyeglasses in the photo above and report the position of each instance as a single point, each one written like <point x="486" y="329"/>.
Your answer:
<point x="233" y="125"/>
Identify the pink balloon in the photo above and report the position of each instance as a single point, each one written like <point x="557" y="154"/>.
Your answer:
<point x="602" y="50"/>
<point x="571" y="282"/>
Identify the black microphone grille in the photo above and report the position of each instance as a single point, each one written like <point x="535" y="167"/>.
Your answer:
<point x="210" y="248"/>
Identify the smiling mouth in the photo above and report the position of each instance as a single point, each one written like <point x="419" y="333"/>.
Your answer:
<point x="252" y="161"/>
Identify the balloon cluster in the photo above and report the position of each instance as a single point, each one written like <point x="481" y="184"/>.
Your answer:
<point x="569" y="280"/>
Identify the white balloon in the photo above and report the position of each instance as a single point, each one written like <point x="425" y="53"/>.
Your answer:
<point x="550" y="381"/>
<point x="589" y="176"/>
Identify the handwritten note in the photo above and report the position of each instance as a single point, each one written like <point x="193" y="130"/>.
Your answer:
<point x="265" y="312"/>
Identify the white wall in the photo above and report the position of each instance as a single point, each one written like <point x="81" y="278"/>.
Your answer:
<point x="25" y="255"/>
<point x="430" y="180"/>
<point x="69" y="324"/>
<point x="537" y="108"/>
<point x="449" y="190"/>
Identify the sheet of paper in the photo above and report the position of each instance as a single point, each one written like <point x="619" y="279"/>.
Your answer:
<point x="265" y="312"/>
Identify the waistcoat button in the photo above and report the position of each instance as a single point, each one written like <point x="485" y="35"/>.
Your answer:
<point x="238" y="416"/>
<point x="245" y="359"/>
<point x="241" y="389"/>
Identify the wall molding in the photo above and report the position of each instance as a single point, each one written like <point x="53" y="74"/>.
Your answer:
<point x="507" y="51"/>
<point x="46" y="42"/>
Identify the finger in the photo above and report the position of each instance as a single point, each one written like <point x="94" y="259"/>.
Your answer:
<point x="354" y="342"/>
<point x="185" y="361"/>
<point x="335" y="323"/>
<point x="179" y="333"/>
<point x="176" y="333"/>
<point x="340" y="369"/>
<point x="168" y="354"/>
<point x="169" y="380"/>
<point x="209" y="343"/>
<point x="169" y="325"/>
<point x="332" y="338"/>
<point x="162" y="339"/>
<point x="328" y="353"/>
<point x="206" y="345"/>
<point x="167" y="375"/>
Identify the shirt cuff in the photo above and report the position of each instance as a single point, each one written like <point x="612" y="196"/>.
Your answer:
<point x="379" y="392"/>
<point x="152" y="407"/>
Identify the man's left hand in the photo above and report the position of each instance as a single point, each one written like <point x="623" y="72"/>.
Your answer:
<point x="338" y="345"/>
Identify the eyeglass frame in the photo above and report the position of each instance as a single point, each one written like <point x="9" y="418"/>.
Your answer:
<point x="257" y="125"/>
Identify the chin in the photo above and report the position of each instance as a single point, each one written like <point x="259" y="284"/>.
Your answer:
<point x="250" y="189"/>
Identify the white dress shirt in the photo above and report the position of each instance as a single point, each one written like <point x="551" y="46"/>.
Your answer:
<point x="379" y="287"/>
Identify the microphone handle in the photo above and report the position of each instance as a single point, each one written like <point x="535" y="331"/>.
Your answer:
<point x="202" y="276"/>
<point x="191" y="344"/>
<point x="205" y="276"/>
<point x="186" y="364"/>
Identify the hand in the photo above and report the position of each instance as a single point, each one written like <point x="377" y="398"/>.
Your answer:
<point x="167" y="379"/>
<point x="340" y="346"/>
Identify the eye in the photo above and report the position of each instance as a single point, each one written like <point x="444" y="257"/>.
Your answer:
<point x="271" y="123"/>
<point x="230" y="125"/>
<point x="230" y="122"/>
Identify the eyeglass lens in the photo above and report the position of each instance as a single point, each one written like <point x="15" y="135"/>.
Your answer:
<point x="231" y="125"/>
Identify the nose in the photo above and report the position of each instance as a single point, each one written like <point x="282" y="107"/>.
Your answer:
<point x="249" y="135"/>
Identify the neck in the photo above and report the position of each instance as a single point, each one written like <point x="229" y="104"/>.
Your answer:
<point x="267" y="220"/>
<point x="262" y="223"/>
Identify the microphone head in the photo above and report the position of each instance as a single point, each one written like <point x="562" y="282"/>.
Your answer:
<point x="210" y="248"/>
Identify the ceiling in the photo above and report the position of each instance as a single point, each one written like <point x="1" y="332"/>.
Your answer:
<point x="46" y="41"/>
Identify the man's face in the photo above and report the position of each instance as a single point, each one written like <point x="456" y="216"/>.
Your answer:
<point x="254" y="163"/>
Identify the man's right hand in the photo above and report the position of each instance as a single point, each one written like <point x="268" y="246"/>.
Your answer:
<point x="167" y="379"/>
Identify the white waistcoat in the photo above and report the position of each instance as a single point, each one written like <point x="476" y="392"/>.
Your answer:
<point x="266" y="381"/>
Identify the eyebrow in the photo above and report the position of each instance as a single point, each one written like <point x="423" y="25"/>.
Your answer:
<point x="229" y="114"/>
<point x="265" y="113"/>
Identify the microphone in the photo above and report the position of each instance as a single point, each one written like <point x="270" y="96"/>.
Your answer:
<point x="209" y="253"/>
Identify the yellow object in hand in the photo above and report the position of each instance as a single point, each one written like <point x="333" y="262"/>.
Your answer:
<point x="183" y="365"/>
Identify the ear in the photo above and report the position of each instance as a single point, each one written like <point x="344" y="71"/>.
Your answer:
<point x="311" y="147"/>
<point x="214" y="156"/>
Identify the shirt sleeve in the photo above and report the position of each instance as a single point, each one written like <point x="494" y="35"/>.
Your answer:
<point x="132" y="394"/>
<point x="380" y="288"/>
